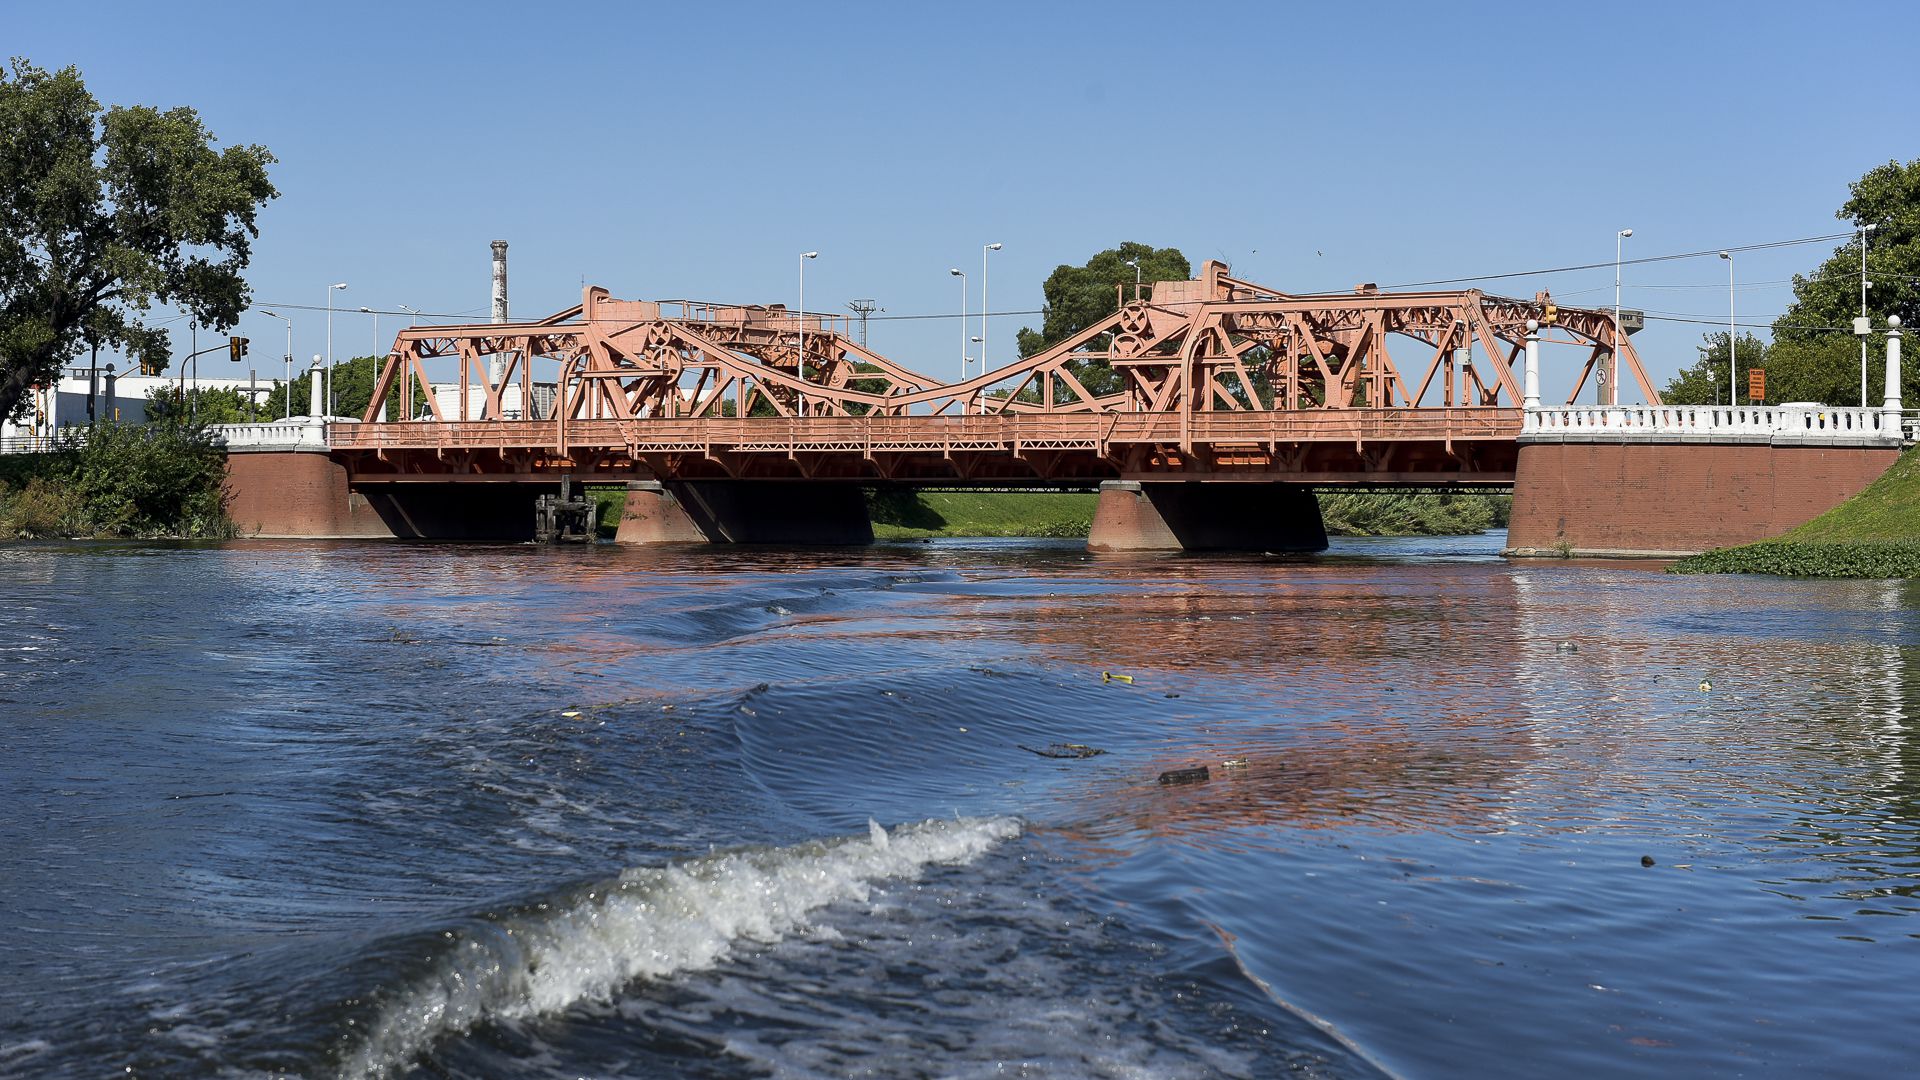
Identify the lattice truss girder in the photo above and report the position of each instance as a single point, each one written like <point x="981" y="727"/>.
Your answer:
<point x="1212" y="344"/>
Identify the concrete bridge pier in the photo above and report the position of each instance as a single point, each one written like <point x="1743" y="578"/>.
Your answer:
<point x="1187" y="516"/>
<point x="812" y="514"/>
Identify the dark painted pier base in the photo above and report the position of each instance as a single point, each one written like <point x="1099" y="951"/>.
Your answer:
<point x="1175" y="516"/>
<point x="305" y="495"/>
<point x="814" y="514"/>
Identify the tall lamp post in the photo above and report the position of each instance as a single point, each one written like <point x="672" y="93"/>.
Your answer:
<point x="1135" y="263"/>
<point x="328" y="399"/>
<point x="956" y="272"/>
<point x="1610" y="394"/>
<point x="800" y="365"/>
<point x="984" y="252"/>
<point x="289" y="323"/>
<point x="1864" y="286"/>
<point x="1732" y="372"/>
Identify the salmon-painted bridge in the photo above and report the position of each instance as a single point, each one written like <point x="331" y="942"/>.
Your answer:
<point x="1208" y="411"/>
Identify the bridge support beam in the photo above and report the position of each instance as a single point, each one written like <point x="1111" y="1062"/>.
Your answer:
<point x="813" y="514"/>
<point x="1182" y="516"/>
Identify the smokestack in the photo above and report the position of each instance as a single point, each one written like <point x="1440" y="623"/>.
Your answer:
<point x="497" y="366"/>
<point x="499" y="281"/>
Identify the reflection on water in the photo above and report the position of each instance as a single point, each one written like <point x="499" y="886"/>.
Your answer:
<point x="511" y="811"/>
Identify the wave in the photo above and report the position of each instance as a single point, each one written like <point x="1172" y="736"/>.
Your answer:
<point x="650" y="922"/>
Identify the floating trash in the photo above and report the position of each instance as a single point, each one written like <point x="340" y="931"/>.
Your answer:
<point x="1234" y="763"/>
<point x="1196" y="775"/>
<point x="1108" y="676"/>
<point x="1566" y="646"/>
<point x="571" y="714"/>
<point x="1065" y="750"/>
<point x="1705" y="686"/>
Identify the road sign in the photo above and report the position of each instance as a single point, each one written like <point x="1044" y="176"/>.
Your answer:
<point x="1757" y="385"/>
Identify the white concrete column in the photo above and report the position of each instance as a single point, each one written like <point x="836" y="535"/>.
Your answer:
<point x="315" y="404"/>
<point x="1533" y="365"/>
<point x="1892" y="403"/>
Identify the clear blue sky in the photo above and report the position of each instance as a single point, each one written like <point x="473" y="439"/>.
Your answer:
<point x="694" y="150"/>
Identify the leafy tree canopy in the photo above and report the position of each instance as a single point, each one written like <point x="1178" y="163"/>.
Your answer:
<point x="1080" y="296"/>
<point x="1814" y="355"/>
<point x="105" y="213"/>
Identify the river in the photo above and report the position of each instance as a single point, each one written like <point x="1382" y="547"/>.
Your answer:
<point x="506" y="811"/>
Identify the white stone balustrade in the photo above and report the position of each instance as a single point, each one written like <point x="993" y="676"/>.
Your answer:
<point x="285" y="436"/>
<point x="1802" y="425"/>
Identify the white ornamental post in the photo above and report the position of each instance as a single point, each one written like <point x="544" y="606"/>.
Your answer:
<point x="1533" y="365"/>
<point x="1892" y="403"/>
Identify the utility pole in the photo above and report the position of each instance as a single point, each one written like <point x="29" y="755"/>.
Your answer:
<point x="862" y="309"/>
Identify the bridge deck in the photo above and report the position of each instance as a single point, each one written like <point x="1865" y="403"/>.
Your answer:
<point x="1391" y="446"/>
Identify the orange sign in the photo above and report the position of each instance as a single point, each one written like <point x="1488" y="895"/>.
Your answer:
<point x="1757" y="385"/>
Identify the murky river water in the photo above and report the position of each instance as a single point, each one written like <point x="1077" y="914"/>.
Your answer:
<point x="369" y="810"/>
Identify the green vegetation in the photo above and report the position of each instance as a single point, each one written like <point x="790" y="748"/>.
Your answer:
<point x="1870" y="559"/>
<point x="1397" y="513"/>
<point x="1875" y="534"/>
<point x="1079" y="296"/>
<point x="1814" y="355"/>
<point x="108" y="217"/>
<point x="150" y="481"/>
<point x="901" y="514"/>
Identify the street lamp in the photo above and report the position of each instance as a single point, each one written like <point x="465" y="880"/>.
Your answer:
<point x="984" y="251"/>
<point x="963" y="321"/>
<point x="289" y="323"/>
<point x="1135" y="263"/>
<point x="800" y="364"/>
<point x="374" y="356"/>
<point x="1612" y="389"/>
<point x="1732" y="373"/>
<point x="415" y="312"/>
<point x="1864" y="286"/>
<point x="328" y="400"/>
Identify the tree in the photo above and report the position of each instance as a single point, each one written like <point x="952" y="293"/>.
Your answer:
<point x="1705" y="383"/>
<point x="106" y="213"/>
<point x="1827" y="301"/>
<point x="1080" y="296"/>
<point x="1814" y="355"/>
<point x="200" y="405"/>
<point x="353" y="382"/>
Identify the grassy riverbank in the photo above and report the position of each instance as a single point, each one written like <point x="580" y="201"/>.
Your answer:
<point x="911" y="515"/>
<point x="1875" y="534"/>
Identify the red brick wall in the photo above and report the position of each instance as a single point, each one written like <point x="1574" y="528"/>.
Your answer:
<point x="296" y="495"/>
<point x="1642" y="498"/>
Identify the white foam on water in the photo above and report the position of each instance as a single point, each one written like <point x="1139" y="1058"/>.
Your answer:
<point x="651" y="922"/>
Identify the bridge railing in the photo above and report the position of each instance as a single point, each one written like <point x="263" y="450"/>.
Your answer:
<point x="1803" y="423"/>
<point x="243" y="438"/>
<point x="1091" y="430"/>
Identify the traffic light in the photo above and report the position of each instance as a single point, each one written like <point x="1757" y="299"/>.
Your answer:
<point x="236" y="348"/>
<point x="1549" y="314"/>
<point x="153" y="365"/>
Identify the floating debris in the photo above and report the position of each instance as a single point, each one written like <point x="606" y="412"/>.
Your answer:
<point x="571" y="714"/>
<point x="1196" y="775"/>
<point x="1646" y="860"/>
<point x="776" y="609"/>
<point x="1706" y="686"/>
<point x="1065" y="750"/>
<point x="1234" y="763"/>
<point x="1566" y="646"/>
<point x="1108" y="676"/>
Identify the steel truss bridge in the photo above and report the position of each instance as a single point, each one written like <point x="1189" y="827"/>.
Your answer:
<point x="1209" y="379"/>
